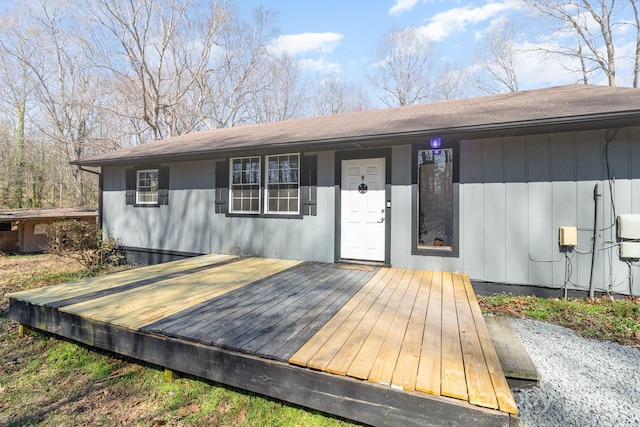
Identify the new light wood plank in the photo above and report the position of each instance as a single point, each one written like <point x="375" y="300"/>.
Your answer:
<point x="406" y="370"/>
<point x="430" y="366"/>
<point x="479" y="384"/>
<point x="50" y="294"/>
<point x="355" y="330"/>
<point x="366" y="357"/>
<point x="506" y="402"/>
<point x="385" y="364"/>
<point x="453" y="377"/>
<point x="140" y="306"/>
<point x="311" y="347"/>
<point x="369" y="308"/>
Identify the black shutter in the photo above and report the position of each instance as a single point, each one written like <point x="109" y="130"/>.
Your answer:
<point x="222" y="187"/>
<point x="309" y="184"/>
<point x="130" y="193"/>
<point x="163" y="185"/>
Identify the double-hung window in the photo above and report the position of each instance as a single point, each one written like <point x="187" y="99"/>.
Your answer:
<point x="245" y="185"/>
<point x="283" y="184"/>
<point x="147" y="186"/>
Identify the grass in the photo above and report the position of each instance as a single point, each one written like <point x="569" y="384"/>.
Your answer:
<point x="45" y="380"/>
<point x="601" y="318"/>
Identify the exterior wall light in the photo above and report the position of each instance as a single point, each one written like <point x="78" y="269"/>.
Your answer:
<point x="435" y="142"/>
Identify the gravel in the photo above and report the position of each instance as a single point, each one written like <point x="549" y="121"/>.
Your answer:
<point x="584" y="382"/>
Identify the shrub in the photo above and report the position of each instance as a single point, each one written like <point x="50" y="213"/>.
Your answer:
<point x="81" y="241"/>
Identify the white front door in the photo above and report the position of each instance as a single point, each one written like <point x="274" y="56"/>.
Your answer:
<point x="362" y="205"/>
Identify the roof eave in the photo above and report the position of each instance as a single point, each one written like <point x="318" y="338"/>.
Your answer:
<point x="515" y="128"/>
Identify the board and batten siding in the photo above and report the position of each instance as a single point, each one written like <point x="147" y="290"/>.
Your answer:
<point x="189" y="222"/>
<point x="516" y="192"/>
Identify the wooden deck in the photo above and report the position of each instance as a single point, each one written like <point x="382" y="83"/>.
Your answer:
<point x="382" y="346"/>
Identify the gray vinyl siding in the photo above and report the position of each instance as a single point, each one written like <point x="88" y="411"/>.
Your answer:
<point x="189" y="222"/>
<point x="515" y="193"/>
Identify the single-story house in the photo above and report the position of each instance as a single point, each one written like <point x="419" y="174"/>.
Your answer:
<point x="538" y="187"/>
<point x="22" y="230"/>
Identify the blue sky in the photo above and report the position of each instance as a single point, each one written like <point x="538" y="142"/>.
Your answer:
<point x="339" y="38"/>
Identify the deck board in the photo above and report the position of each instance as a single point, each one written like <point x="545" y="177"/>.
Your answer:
<point x="369" y="354"/>
<point x="430" y="367"/>
<point x="453" y="379"/>
<point x="406" y="369"/>
<point x="54" y="295"/>
<point x="324" y="335"/>
<point x="406" y="331"/>
<point x="143" y="305"/>
<point x="355" y="330"/>
<point x="506" y="402"/>
<point x="479" y="383"/>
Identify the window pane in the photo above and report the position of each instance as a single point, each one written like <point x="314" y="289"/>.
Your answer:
<point x="283" y="183"/>
<point x="147" y="186"/>
<point x="435" y="198"/>
<point x="245" y="184"/>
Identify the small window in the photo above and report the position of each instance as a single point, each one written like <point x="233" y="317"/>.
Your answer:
<point x="5" y="226"/>
<point x="283" y="184"/>
<point x="245" y="185"/>
<point x="435" y="199"/>
<point x="147" y="187"/>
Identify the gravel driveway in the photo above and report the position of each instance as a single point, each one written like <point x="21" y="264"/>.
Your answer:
<point x="584" y="382"/>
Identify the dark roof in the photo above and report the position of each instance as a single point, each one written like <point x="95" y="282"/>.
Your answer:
<point x="561" y="108"/>
<point x="19" y="214"/>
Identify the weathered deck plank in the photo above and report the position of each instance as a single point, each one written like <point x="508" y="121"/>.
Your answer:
<point x="397" y="329"/>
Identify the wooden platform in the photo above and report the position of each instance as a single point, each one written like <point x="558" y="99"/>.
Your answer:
<point x="381" y="346"/>
<point x="517" y="365"/>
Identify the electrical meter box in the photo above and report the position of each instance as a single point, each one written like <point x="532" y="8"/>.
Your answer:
<point x="568" y="236"/>
<point x="629" y="226"/>
<point x="630" y="250"/>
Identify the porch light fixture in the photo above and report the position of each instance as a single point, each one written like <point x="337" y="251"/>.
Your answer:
<point x="435" y="142"/>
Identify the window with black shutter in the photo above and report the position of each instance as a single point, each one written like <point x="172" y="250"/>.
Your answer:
<point x="147" y="186"/>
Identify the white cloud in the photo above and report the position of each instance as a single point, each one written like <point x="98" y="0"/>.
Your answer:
<point x="455" y="20"/>
<point x="320" y="66"/>
<point x="535" y="68"/>
<point x="402" y="6"/>
<point x="295" y="44"/>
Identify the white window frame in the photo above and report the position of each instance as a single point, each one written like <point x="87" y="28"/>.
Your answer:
<point x="151" y="187"/>
<point x="269" y="186"/>
<point x="238" y="186"/>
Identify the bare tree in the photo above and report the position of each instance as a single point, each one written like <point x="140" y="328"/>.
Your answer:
<point x="277" y="91"/>
<point x="16" y="78"/>
<point x="497" y="61"/>
<point x="452" y="83"/>
<point x="66" y="90"/>
<point x="155" y="50"/>
<point x="335" y="96"/>
<point x="403" y="71"/>
<point x="592" y="26"/>
<point x="636" y="66"/>
<point x="235" y="73"/>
